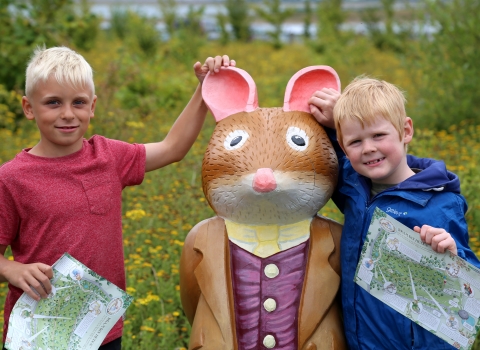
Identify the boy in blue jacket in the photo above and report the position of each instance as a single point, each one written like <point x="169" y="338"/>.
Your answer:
<point x="373" y="132"/>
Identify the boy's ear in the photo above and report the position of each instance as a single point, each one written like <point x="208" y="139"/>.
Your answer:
<point x="27" y="108"/>
<point x="408" y="130"/>
<point x="94" y="104"/>
<point x="344" y="150"/>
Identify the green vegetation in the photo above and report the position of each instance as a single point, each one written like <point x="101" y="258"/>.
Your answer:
<point x="143" y="83"/>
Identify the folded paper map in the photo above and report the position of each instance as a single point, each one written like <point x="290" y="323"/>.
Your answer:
<point x="78" y="314"/>
<point x="440" y="292"/>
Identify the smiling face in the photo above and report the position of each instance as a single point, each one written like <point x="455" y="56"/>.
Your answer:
<point x="376" y="150"/>
<point x="62" y="114"/>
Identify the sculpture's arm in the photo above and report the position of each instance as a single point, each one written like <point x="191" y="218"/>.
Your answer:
<point x="189" y="260"/>
<point x="334" y="259"/>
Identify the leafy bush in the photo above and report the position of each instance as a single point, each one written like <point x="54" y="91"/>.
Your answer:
<point x="26" y="24"/>
<point x="446" y="63"/>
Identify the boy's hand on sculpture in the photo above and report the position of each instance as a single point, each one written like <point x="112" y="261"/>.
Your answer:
<point x="30" y="278"/>
<point x="212" y="65"/>
<point x="439" y="239"/>
<point x="322" y="103"/>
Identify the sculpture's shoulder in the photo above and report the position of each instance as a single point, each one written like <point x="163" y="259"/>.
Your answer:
<point x="200" y="232"/>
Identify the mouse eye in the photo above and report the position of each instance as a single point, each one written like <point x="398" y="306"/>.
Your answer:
<point x="235" y="139"/>
<point x="297" y="138"/>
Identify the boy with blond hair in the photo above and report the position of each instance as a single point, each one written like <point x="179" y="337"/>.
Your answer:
<point x="64" y="193"/>
<point x="373" y="132"/>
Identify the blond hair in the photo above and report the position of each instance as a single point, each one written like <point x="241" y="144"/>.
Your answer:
<point x="67" y="66"/>
<point x="366" y="99"/>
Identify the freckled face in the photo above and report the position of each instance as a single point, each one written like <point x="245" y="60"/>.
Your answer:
<point x="376" y="150"/>
<point x="62" y="114"/>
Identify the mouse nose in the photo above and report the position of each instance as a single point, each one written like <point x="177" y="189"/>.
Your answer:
<point x="264" y="181"/>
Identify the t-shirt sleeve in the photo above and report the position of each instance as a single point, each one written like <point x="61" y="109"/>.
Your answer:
<point x="130" y="161"/>
<point x="9" y="218"/>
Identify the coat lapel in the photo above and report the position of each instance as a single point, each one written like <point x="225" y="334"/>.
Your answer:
<point x="321" y="282"/>
<point x="214" y="280"/>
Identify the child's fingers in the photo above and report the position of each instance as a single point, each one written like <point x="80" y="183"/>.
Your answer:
<point x="225" y="60"/>
<point x="220" y="61"/>
<point x="317" y="113"/>
<point x="425" y="232"/>
<point x="443" y="242"/>
<point x="197" y="66"/>
<point x="439" y="239"/>
<point x="326" y="93"/>
<point x="47" y="271"/>
<point x="40" y="282"/>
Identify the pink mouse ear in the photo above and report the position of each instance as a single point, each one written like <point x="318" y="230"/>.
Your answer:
<point x="305" y="82"/>
<point x="230" y="91"/>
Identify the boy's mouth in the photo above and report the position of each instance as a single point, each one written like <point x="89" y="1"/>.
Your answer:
<point x="67" y="127"/>
<point x="372" y="162"/>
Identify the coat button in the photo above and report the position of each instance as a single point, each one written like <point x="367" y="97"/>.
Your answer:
<point x="269" y="341"/>
<point x="271" y="270"/>
<point x="270" y="304"/>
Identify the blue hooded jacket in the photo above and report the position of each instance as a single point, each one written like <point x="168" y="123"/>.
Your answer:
<point x="431" y="196"/>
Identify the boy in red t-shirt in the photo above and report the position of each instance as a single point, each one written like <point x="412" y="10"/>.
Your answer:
<point x="64" y="194"/>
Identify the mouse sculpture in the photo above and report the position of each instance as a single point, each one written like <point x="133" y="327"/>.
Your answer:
<point x="265" y="272"/>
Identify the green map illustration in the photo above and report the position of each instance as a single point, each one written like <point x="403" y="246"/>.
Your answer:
<point x="78" y="314"/>
<point x="440" y="292"/>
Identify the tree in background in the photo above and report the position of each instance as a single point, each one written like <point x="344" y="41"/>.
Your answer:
<point x="25" y="25"/>
<point x="307" y="19"/>
<point x="273" y="13"/>
<point x="189" y="37"/>
<point x="381" y="26"/>
<point x="136" y="30"/>
<point x="238" y="15"/>
<point x="448" y="63"/>
<point x="330" y="17"/>
<point x="222" y="21"/>
<point x="168" y="8"/>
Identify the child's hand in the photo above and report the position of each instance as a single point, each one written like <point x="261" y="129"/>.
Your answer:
<point x="30" y="276"/>
<point x="321" y="106"/>
<point x="212" y="65"/>
<point x="439" y="239"/>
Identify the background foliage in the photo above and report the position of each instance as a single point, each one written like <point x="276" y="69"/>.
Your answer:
<point x="144" y="78"/>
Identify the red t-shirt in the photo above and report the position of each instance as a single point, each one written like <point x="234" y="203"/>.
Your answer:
<point x="49" y="206"/>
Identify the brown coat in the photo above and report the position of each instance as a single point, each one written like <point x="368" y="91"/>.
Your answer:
<point x="207" y="297"/>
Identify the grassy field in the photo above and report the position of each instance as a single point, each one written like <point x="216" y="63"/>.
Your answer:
<point x="139" y="99"/>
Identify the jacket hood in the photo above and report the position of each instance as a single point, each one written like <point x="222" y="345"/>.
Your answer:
<point x="433" y="177"/>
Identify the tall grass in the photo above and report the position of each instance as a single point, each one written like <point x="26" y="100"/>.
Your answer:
<point x="139" y="99"/>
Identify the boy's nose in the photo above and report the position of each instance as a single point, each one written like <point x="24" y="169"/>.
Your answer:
<point x="369" y="146"/>
<point x="67" y="113"/>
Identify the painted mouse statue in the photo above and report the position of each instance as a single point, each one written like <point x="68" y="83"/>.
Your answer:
<point x="265" y="272"/>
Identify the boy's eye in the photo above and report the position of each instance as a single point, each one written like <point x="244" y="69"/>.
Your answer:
<point x="79" y="102"/>
<point x="52" y="102"/>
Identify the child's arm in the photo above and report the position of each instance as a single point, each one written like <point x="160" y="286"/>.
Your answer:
<point x="322" y="103"/>
<point x="186" y="128"/>
<point x="26" y="276"/>
<point x="439" y="239"/>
